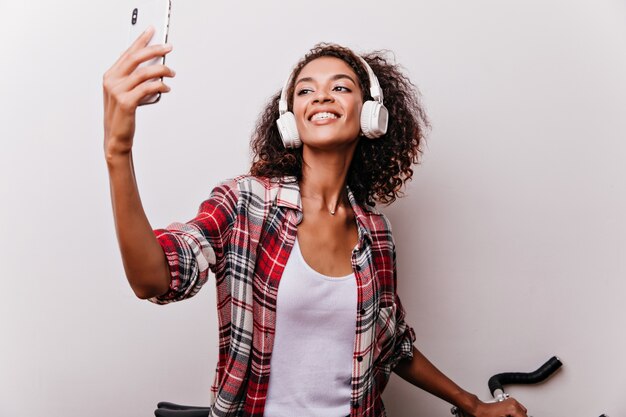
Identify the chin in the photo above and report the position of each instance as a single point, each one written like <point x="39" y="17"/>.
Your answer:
<point x="328" y="139"/>
<point x="328" y="143"/>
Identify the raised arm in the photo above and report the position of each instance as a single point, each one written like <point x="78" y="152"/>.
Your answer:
<point x="124" y="85"/>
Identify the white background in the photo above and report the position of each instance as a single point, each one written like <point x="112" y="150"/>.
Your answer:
<point x="512" y="237"/>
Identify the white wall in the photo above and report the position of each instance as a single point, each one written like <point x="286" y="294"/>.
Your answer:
<point x="512" y="239"/>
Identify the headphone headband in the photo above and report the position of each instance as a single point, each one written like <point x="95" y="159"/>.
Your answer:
<point x="375" y="91"/>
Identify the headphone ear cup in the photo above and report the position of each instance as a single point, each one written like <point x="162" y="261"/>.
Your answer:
<point x="374" y="119"/>
<point x="289" y="130"/>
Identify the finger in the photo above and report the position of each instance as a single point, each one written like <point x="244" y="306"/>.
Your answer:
<point x="121" y="86"/>
<point x="518" y="405"/>
<point x="129" y="62"/>
<point x="139" y="52"/>
<point x="145" y="73"/>
<point x="141" y="41"/>
<point x="516" y="409"/>
<point x="134" y="59"/>
<point x="146" y="89"/>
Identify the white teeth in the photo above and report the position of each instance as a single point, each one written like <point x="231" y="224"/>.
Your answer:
<point x="323" y="115"/>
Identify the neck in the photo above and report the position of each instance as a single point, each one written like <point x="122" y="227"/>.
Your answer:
<point x="324" y="179"/>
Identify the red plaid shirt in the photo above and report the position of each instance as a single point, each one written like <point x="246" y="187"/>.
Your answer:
<point x="244" y="233"/>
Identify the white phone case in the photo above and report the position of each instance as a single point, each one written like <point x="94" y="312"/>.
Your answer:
<point x="145" y="13"/>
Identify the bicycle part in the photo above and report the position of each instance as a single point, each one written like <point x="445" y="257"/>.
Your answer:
<point x="496" y="382"/>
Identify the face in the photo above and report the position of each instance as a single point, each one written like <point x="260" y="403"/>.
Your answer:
<point x="327" y="103"/>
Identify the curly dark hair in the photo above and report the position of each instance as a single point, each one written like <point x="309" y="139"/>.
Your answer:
<point x="379" y="167"/>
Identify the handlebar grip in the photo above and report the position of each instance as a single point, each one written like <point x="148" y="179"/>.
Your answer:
<point x="497" y="381"/>
<point x="167" y="409"/>
<point x="173" y="406"/>
<point x="164" y="412"/>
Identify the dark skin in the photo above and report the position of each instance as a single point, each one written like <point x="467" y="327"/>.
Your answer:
<point x="326" y="86"/>
<point x="423" y="374"/>
<point x="124" y="85"/>
<point x="325" y="238"/>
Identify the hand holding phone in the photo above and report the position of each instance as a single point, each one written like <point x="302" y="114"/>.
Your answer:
<point x="126" y="85"/>
<point x="156" y="14"/>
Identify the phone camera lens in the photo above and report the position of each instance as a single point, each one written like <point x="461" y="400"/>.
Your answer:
<point x="134" y="17"/>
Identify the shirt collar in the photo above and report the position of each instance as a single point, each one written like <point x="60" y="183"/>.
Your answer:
<point x="288" y="195"/>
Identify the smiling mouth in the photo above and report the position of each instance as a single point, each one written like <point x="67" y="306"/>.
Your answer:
<point x="324" y="116"/>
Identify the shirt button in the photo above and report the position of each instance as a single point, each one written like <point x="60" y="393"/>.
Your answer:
<point x="359" y="358"/>
<point x="362" y="311"/>
<point x="358" y="267"/>
<point x="355" y="404"/>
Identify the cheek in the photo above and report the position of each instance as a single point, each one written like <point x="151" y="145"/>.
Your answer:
<point x="355" y="111"/>
<point x="298" y="108"/>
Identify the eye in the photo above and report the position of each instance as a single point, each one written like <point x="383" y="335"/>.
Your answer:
<point x="342" y="89"/>
<point x="303" y="91"/>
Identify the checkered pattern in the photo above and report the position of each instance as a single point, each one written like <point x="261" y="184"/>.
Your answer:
<point x="244" y="233"/>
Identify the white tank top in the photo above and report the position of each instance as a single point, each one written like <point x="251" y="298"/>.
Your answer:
<point x="311" y="365"/>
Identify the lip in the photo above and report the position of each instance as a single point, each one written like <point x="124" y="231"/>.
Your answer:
<point x="323" y="110"/>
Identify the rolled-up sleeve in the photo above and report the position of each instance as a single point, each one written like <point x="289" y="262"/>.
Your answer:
<point x="404" y="337"/>
<point x="194" y="247"/>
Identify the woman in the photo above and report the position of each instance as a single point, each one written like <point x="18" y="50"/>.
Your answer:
<point x="304" y="218"/>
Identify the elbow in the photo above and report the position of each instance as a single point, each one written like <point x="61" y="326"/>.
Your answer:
<point x="144" y="293"/>
<point x="149" y="288"/>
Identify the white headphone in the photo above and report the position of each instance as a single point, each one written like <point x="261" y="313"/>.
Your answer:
<point x="374" y="115"/>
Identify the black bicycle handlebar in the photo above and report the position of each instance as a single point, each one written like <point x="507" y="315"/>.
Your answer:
<point x="167" y="409"/>
<point x="497" y="381"/>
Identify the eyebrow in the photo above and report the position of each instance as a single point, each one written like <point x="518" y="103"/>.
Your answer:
<point x="333" y="78"/>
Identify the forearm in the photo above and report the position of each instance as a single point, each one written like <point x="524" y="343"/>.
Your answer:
<point x="420" y="372"/>
<point x="143" y="258"/>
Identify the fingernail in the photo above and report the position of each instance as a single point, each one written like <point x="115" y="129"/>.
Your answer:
<point x="148" y="29"/>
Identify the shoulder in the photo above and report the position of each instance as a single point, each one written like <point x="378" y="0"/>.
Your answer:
<point x="257" y="189"/>
<point x="383" y="222"/>
<point x="376" y="221"/>
<point x="258" y="185"/>
<point x="380" y="231"/>
<point x="244" y="182"/>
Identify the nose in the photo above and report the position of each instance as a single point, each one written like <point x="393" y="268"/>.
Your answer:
<point x="322" y="96"/>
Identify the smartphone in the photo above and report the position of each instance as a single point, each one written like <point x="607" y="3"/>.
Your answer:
<point x="156" y="13"/>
